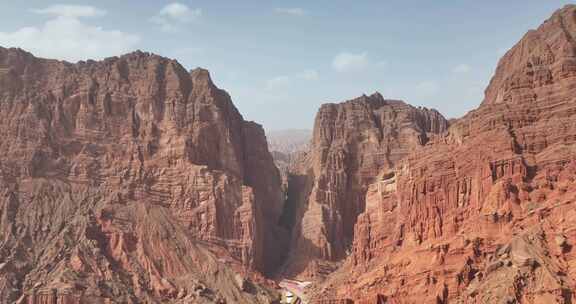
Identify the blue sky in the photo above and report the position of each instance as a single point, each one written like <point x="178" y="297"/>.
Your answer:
<point x="281" y="59"/>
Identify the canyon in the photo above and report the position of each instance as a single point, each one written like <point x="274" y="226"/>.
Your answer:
<point x="351" y="144"/>
<point x="133" y="180"/>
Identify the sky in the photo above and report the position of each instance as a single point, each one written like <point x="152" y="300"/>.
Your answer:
<point x="280" y="60"/>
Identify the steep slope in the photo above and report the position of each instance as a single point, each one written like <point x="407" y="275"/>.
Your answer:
<point x="485" y="213"/>
<point x="130" y="180"/>
<point x="352" y="142"/>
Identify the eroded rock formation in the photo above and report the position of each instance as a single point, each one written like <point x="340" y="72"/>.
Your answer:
<point x="352" y="142"/>
<point x="130" y="180"/>
<point x="485" y="212"/>
<point x="287" y="147"/>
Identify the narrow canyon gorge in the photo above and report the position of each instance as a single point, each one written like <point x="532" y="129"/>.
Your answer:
<point x="133" y="180"/>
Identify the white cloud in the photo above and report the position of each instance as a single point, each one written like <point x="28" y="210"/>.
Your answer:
<point x="344" y="62"/>
<point x="427" y="88"/>
<point x="294" y="11"/>
<point x="73" y="11"/>
<point x="285" y="81"/>
<point x="309" y="75"/>
<point x="66" y="37"/>
<point x="279" y="82"/>
<point x="174" y="15"/>
<point x="461" y="69"/>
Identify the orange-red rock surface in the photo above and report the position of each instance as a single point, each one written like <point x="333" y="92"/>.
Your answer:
<point x="484" y="213"/>
<point x="130" y="180"/>
<point x="352" y="143"/>
<point x="286" y="147"/>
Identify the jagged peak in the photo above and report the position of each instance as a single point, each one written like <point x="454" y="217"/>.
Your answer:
<point x="372" y="98"/>
<point x="201" y="76"/>
<point x="377" y="100"/>
<point x="16" y="57"/>
<point x="547" y="47"/>
<point x="15" y="51"/>
<point x="143" y="55"/>
<point x="377" y="95"/>
<point x="566" y="9"/>
<point x="135" y="55"/>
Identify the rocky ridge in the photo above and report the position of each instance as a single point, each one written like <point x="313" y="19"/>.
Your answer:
<point x="352" y="143"/>
<point x="130" y="180"/>
<point x="133" y="180"/>
<point x="484" y="212"/>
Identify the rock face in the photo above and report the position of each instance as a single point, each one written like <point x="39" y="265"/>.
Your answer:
<point x="130" y="180"/>
<point x="485" y="212"/>
<point x="352" y="143"/>
<point x="287" y="147"/>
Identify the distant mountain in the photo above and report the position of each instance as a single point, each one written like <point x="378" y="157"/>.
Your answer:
<point x="289" y="141"/>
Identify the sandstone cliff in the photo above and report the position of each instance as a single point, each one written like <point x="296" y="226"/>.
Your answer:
<point x="484" y="213"/>
<point x="286" y="147"/>
<point x="352" y="142"/>
<point x="130" y="180"/>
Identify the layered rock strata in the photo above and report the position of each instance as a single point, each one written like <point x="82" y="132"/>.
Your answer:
<point x="484" y="213"/>
<point x="352" y="142"/>
<point x="130" y="180"/>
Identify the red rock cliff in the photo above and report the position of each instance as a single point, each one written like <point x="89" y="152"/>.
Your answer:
<point x="352" y="142"/>
<point x="129" y="180"/>
<point x="485" y="213"/>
